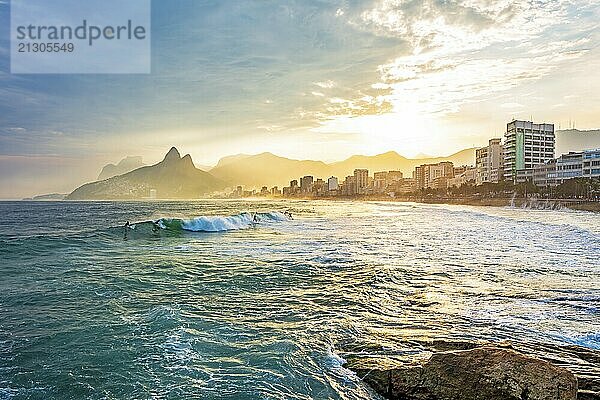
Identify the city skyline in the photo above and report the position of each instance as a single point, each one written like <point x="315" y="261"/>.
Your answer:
<point x="526" y="155"/>
<point x="467" y="170"/>
<point x="349" y="78"/>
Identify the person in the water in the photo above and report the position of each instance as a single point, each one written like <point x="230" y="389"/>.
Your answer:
<point x="288" y="214"/>
<point x="256" y="219"/>
<point x="127" y="224"/>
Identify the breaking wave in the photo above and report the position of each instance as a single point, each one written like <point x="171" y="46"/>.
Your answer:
<point x="212" y="223"/>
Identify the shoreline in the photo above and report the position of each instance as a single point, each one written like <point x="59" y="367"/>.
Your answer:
<point x="520" y="202"/>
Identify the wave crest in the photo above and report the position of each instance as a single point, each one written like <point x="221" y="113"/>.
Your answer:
<point x="220" y="223"/>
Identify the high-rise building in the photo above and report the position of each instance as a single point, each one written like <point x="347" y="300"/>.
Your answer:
<point x="361" y="179"/>
<point x="319" y="187"/>
<point x="431" y="175"/>
<point x="394" y="176"/>
<point x="349" y="186"/>
<point x="380" y="181"/>
<point x="527" y="145"/>
<point x="291" y="190"/>
<point x="306" y="184"/>
<point x="489" y="162"/>
<point x="332" y="183"/>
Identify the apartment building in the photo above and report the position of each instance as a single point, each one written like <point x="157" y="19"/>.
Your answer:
<point x="429" y="175"/>
<point x="489" y="162"/>
<point x="526" y="145"/>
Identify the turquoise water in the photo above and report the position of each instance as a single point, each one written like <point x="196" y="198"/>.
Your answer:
<point x="269" y="309"/>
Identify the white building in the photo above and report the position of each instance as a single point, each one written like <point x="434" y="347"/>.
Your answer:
<point x="489" y="162"/>
<point x="527" y="145"/>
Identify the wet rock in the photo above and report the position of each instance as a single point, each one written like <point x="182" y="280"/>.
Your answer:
<point x="588" y="395"/>
<point x="486" y="373"/>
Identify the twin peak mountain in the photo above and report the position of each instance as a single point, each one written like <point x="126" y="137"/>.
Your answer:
<point x="177" y="177"/>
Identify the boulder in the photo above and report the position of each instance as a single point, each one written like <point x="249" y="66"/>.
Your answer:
<point x="485" y="373"/>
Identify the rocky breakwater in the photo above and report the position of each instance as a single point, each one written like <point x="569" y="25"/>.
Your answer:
<point x="484" y="373"/>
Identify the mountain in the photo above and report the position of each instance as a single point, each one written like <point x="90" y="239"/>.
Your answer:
<point x="576" y="140"/>
<point x="393" y="161"/>
<point x="267" y="169"/>
<point x="124" y="166"/>
<point x="175" y="177"/>
<point x="264" y="169"/>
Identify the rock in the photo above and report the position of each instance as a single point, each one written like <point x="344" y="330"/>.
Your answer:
<point x="588" y="395"/>
<point x="485" y="373"/>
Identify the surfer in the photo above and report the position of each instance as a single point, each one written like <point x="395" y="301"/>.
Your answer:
<point x="288" y="214"/>
<point x="127" y="224"/>
<point x="255" y="219"/>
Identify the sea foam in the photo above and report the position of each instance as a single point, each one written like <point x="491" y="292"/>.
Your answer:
<point x="221" y="223"/>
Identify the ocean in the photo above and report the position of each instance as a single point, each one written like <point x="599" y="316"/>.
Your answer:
<point x="201" y="300"/>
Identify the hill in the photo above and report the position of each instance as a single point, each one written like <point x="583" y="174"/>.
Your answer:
<point x="394" y="161"/>
<point x="267" y="169"/>
<point x="124" y="166"/>
<point x="576" y="140"/>
<point x="175" y="177"/>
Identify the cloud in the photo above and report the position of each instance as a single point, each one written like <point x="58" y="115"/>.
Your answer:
<point x="462" y="51"/>
<point x="344" y="66"/>
<point x="17" y="129"/>
<point x="558" y="46"/>
<point x="448" y="26"/>
<point x="512" y="106"/>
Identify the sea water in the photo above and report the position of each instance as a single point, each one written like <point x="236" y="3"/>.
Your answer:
<point x="235" y="300"/>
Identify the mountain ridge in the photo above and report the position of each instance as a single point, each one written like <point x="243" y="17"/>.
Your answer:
<point x="178" y="177"/>
<point x="127" y="164"/>
<point x="267" y="169"/>
<point x="174" y="177"/>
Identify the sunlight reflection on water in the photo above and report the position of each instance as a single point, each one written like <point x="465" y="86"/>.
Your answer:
<point x="269" y="310"/>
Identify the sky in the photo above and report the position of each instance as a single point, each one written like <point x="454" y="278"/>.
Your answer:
<point x="307" y="79"/>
